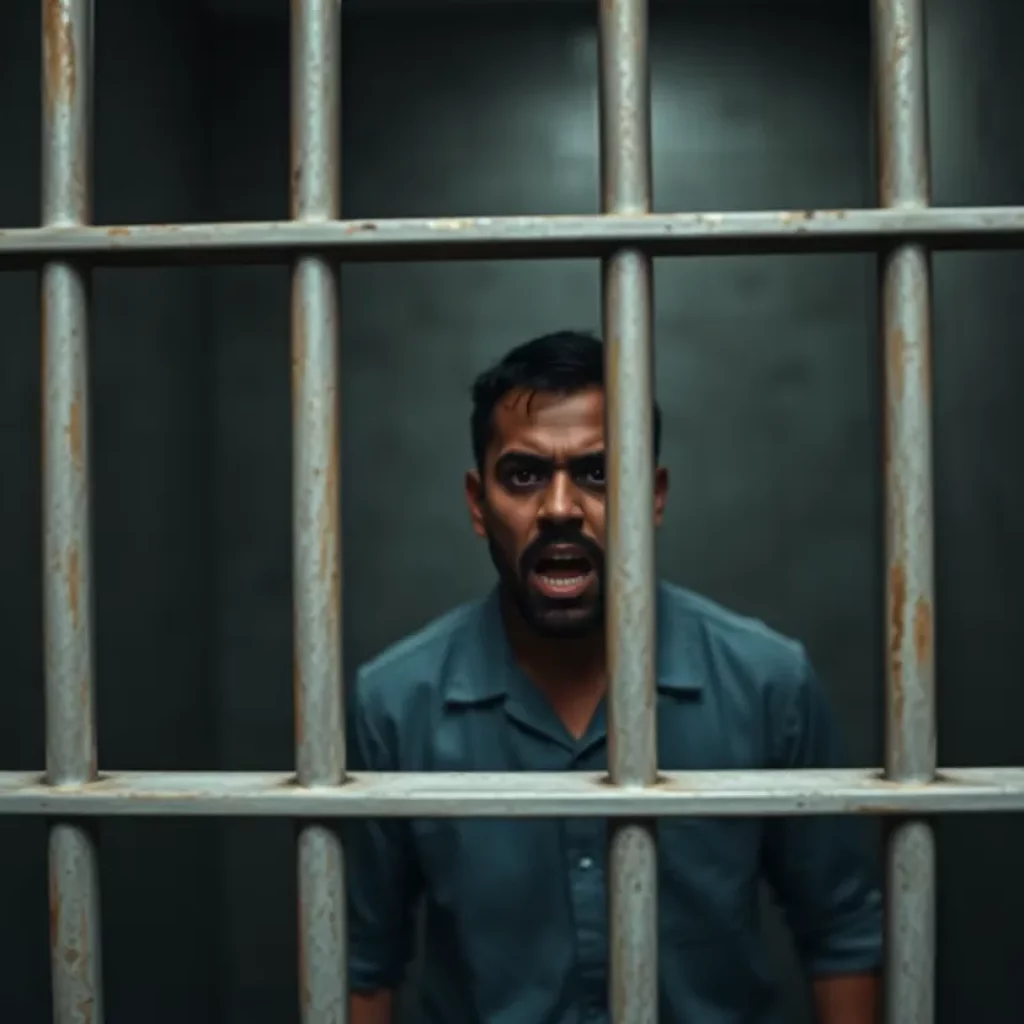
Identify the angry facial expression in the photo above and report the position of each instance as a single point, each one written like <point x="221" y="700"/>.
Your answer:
<point x="540" y="503"/>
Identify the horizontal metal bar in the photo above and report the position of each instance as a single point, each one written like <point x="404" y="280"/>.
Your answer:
<point x="669" y="234"/>
<point x="517" y="795"/>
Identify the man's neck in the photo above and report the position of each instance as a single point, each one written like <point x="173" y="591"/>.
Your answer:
<point x="568" y="670"/>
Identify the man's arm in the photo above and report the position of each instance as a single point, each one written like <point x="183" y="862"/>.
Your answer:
<point x="820" y="868"/>
<point x="370" y="1009"/>
<point x="848" y="999"/>
<point x="383" y="880"/>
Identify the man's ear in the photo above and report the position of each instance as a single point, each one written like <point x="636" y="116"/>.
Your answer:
<point x="660" y="493"/>
<point x="474" y="488"/>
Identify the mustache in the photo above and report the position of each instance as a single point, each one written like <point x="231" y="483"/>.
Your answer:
<point x="561" y="535"/>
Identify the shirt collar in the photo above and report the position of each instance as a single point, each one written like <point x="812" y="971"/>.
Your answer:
<point x="481" y="667"/>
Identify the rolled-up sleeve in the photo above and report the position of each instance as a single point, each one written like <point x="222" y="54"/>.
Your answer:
<point x="382" y="877"/>
<point x="820" y="867"/>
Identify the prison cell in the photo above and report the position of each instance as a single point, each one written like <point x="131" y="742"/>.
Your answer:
<point x="626" y="237"/>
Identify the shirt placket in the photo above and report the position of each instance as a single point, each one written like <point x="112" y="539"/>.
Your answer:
<point x="586" y="857"/>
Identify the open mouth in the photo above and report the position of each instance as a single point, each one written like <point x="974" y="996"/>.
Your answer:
<point x="562" y="573"/>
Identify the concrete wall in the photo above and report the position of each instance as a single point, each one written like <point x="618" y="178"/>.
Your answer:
<point x="768" y="374"/>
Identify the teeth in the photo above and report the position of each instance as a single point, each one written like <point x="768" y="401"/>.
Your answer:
<point x="563" y="581"/>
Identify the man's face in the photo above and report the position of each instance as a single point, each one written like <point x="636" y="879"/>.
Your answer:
<point x="540" y="503"/>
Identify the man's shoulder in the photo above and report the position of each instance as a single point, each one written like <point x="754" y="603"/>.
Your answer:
<point x="730" y="643"/>
<point x="417" y="663"/>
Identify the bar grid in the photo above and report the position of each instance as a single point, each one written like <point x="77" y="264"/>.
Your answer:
<point x="904" y="230"/>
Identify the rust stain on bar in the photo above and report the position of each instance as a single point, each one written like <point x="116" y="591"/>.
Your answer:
<point x="898" y="601"/>
<point x="923" y="627"/>
<point x="60" y="71"/>
<point x="73" y="580"/>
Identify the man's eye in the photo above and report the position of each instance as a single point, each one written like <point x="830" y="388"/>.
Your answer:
<point x="523" y="478"/>
<point x="593" y="477"/>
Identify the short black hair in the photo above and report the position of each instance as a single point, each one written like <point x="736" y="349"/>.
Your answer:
<point x="564" y="362"/>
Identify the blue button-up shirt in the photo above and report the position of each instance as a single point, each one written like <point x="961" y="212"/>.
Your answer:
<point x="516" y="910"/>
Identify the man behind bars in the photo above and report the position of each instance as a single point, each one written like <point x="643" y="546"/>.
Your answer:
<point x="516" y="910"/>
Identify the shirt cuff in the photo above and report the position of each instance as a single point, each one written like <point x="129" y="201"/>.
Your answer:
<point x="375" y="964"/>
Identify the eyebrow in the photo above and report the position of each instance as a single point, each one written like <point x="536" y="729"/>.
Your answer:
<point x="576" y="462"/>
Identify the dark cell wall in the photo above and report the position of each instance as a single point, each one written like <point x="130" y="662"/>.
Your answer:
<point x="979" y="499"/>
<point x="768" y="375"/>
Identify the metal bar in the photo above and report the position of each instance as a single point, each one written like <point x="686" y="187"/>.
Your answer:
<point x="629" y="388"/>
<point x="67" y="571"/>
<point x="540" y="237"/>
<point x="518" y="795"/>
<point x="901" y="82"/>
<point x="319" y="712"/>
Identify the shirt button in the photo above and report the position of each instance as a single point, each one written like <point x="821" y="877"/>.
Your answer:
<point x="586" y="863"/>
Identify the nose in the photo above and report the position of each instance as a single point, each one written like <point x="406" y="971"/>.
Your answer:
<point x="561" y="500"/>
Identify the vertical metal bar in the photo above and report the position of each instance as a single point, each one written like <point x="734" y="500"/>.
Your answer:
<point x="899" y="49"/>
<point x="67" y="569"/>
<point x="319" y="711"/>
<point x="629" y="376"/>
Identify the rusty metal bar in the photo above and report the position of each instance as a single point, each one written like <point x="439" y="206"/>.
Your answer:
<point x="517" y="795"/>
<point x="629" y="387"/>
<point x="67" y="555"/>
<point x="540" y="237"/>
<point x="901" y="85"/>
<point x="319" y="712"/>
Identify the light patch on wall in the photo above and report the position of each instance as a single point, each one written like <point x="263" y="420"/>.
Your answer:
<point x="573" y="122"/>
<point x="583" y="52"/>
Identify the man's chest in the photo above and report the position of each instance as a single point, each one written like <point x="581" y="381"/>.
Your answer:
<point x="527" y="871"/>
<point x="536" y="876"/>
